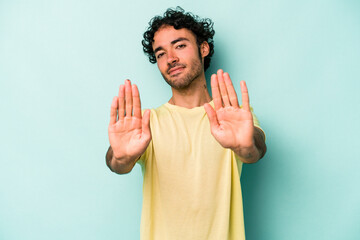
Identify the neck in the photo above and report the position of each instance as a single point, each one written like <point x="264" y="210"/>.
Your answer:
<point x="195" y="95"/>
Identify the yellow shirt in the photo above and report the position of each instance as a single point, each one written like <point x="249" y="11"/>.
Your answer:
<point x="191" y="188"/>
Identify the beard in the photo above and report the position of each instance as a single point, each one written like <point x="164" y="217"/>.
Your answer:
<point x="184" y="81"/>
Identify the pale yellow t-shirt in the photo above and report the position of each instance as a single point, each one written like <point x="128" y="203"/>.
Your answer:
<point x="191" y="188"/>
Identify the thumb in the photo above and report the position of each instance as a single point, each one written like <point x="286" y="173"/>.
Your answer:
<point x="145" y="123"/>
<point x="210" y="112"/>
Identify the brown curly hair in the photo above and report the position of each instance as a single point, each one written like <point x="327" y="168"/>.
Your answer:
<point x="178" y="18"/>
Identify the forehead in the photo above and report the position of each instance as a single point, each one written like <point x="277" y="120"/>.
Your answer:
<point x="166" y="34"/>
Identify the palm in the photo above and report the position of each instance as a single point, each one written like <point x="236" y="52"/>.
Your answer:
<point x="126" y="137"/>
<point x="231" y="125"/>
<point x="235" y="127"/>
<point x="129" y="132"/>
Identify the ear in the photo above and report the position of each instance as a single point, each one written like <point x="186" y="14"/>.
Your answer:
<point x="204" y="49"/>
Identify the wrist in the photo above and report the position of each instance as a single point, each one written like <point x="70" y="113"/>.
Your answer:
<point x="249" y="154"/>
<point x="242" y="151"/>
<point x="122" y="165"/>
<point x="123" y="159"/>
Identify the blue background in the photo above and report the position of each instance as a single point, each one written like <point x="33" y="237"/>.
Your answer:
<point x="61" y="62"/>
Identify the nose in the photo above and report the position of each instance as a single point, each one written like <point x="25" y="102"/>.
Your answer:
<point x="172" y="58"/>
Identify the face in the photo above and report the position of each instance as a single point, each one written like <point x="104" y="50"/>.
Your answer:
<point x="178" y="56"/>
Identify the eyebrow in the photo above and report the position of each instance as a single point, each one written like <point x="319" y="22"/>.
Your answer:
<point x="172" y="43"/>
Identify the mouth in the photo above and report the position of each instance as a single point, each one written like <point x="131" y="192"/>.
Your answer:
<point x="175" y="70"/>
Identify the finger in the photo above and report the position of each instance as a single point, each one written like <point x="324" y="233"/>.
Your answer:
<point x="128" y="98"/>
<point x="146" y="123"/>
<point x="210" y="112"/>
<point x="136" y="101"/>
<point x="121" y="102"/>
<point x="215" y="92"/>
<point x="245" y="96"/>
<point x="223" y="91"/>
<point x="113" y="110"/>
<point x="231" y="91"/>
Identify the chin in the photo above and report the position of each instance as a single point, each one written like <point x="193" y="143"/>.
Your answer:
<point x="181" y="80"/>
<point x="179" y="84"/>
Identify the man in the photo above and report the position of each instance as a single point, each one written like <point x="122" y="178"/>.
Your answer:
<point x="191" y="163"/>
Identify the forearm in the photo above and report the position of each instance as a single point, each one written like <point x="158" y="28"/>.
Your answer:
<point x="255" y="152"/>
<point x="119" y="165"/>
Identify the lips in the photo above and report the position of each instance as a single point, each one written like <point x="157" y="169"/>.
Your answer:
<point x="175" y="69"/>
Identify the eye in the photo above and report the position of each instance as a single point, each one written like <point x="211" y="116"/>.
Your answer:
<point x="160" y="55"/>
<point x="180" y="46"/>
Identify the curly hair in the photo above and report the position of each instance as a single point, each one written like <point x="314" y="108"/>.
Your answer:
<point x="178" y="18"/>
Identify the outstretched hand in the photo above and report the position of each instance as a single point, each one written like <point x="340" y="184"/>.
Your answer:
<point x="129" y="132"/>
<point x="231" y="125"/>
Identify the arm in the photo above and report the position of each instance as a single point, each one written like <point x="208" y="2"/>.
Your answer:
<point x="232" y="125"/>
<point x="256" y="152"/>
<point x="119" y="165"/>
<point x="129" y="131"/>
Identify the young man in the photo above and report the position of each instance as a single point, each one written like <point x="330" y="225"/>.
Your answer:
<point x="191" y="149"/>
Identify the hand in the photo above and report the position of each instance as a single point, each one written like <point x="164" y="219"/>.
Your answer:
<point x="129" y="132"/>
<point x="231" y="125"/>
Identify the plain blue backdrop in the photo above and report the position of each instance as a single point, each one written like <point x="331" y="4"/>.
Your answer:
<point x="61" y="62"/>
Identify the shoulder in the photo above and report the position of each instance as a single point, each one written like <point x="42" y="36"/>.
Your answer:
<point x="160" y="111"/>
<point x="156" y="110"/>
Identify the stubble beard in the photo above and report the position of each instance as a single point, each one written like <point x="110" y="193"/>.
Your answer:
<point x="183" y="82"/>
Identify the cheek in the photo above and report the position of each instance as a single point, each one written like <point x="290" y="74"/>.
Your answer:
<point x="161" y="65"/>
<point x="190" y="53"/>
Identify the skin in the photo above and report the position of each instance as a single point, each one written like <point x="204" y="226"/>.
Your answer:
<point x="179" y="48"/>
<point x="181" y="63"/>
<point x="231" y="125"/>
<point x="129" y="132"/>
